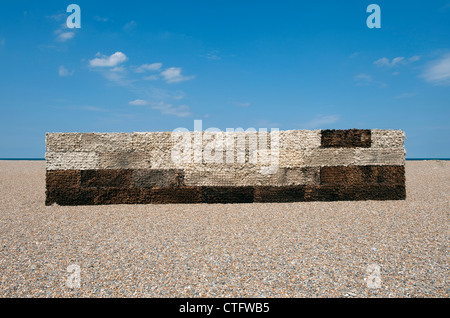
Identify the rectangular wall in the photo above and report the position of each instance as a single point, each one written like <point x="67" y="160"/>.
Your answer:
<point x="225" y="167"/>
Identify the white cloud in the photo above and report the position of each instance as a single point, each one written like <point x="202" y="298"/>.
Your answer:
<point x="138" y="102"/>
<point x="400" y="60"/>
<point x="413" y="58"/>
<point x="438" y="71"/>
<point x="384" y="61"/>
<point x="64" y="36"/>
<point x="64" y="72"/>
<point x="169" y="109"/>
<point x="108" y="61"/>
<point x="148" y="67"/>
<point x="173" y="75"/>
<point x="63" y="33"/>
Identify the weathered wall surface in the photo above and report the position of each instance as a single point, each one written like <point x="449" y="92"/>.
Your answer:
<point x="225" y="167"/>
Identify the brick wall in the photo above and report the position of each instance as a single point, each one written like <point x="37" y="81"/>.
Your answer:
<point x="139" y="168"/>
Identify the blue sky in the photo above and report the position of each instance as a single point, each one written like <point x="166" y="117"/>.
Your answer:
<point x="158" y="65"/>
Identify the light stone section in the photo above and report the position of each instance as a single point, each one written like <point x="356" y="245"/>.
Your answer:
<point x="106" y="142"/>
<point x="124" y="160"/>
<point x="252" y="176"/>
<point x="388" y="138"/>
<point x="63" y="142"/>
<point x="294" y="146"/>
<point x="354" y="156"/>
<point x="156" y="147"/>
<point x="321" y="157"/>
<point x="151" y="141"/>
<point x="71" y="160"/>
<point x="210" y="175"/>
<point x="380" y="156"/>
<point x="248" y="175"/>
<point x="300" y="139"/>
<point x="241" y="158"/>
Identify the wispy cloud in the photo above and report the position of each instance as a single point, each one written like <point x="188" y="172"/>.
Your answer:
<point x="64" y="72"/>
<point x="82" y="107"/>
<point x="164" y="107"/>
<point x="148" y="67"/>
<point x="164" y="94"/>
<point x="63" y="33"/>
<point x="321" y="121"/>
<point x="64" y="36"/>
<point x="162" y="100"/>
<point x="400" y="60"/>
<point x="118" y="78"/>
<point x="150" y="78"/>
<point x="405" y="95"/>
<point x="138" y="102"/>
<point x="129" y="26"/>
<point x="94" y="109"/>
<point x="100" y="19"/>
<point x="108" y="61"/>
<point x="244" y="104"/>
<point x="438" y="71"/>
<point x="57" y="17"/>
<point x="364" y="79"/>
<point x="120" y="69"/>
<point x="169" y="109"/>
<point x="2" y="42"/>
<point x="213" y="55"/>
<point x="173" y="75"/>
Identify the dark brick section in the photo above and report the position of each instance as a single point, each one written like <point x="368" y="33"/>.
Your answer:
<point x="71" y="196"/>
<point x="93" y="196"/>
<point x="362" y="175"/>
<point x="358" y="193"/>
<point x="107" y="178"/>
<point x="350" y="138"/>
<point x="176" y="195"/>
<point x="95" y="187"/>
<point x="279" y="194"/>
<point x="148" y="178"/>
<point x="62" y="179"/>
<point x="122" y="196"/>
<point x="227" y="194"/>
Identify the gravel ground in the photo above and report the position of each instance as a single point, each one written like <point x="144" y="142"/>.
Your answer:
<point x="312" y="249"/>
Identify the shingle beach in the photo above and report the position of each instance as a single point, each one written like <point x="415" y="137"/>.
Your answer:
<point x="304" y="249"/>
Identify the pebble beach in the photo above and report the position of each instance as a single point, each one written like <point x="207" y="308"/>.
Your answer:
<point x="304" y="249"/>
